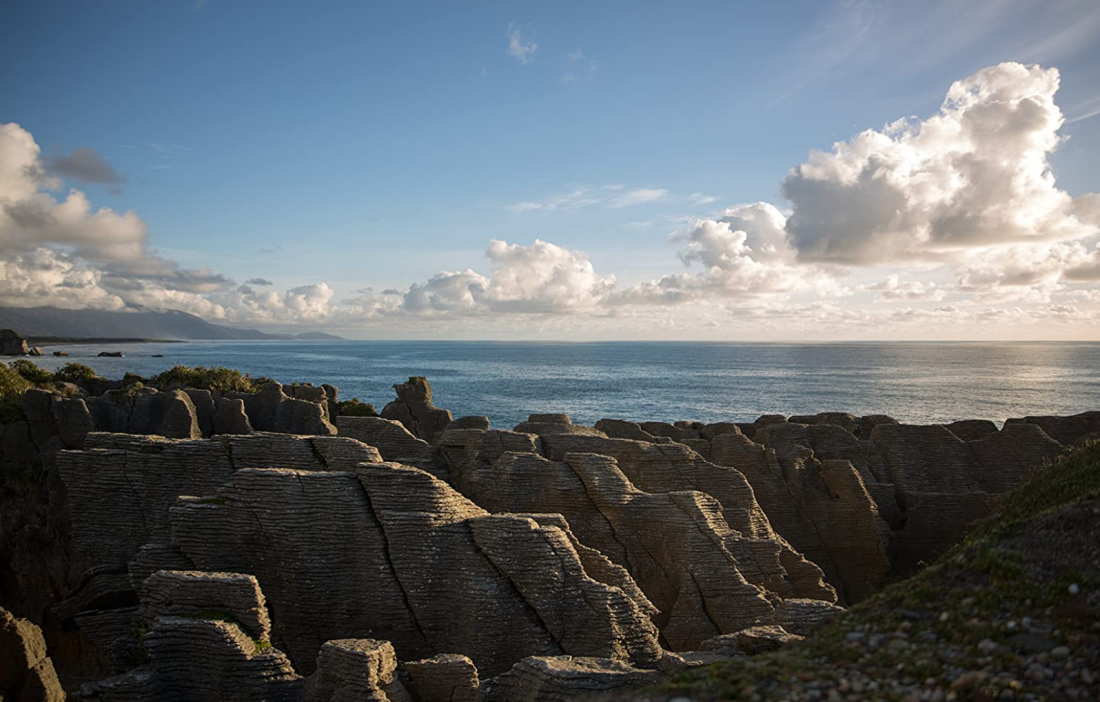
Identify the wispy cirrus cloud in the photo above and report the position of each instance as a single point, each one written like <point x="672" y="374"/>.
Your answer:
<point x="614" y="196"/>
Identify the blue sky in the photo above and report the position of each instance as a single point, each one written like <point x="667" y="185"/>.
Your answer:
<point x="374" y="145"/>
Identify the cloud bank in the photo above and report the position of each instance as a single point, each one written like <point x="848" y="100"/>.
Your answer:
<point x="954" y="222"/>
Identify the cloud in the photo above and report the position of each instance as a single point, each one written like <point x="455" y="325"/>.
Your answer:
<point x="542" y="278"/>
<point x="701" y="199"/>
<point x="893" y="289"/>
<point x="258" y="281"/>
<point x="1020" y="273"/>
<point x="744" y="254"/>
<point x="518" y="48"/>
<point x="86" y="164"/>
<point x="638" y="196"/>
<point x="579" y="65"/>
<point x="614" y="196"/>
<point x="975" y="175"/>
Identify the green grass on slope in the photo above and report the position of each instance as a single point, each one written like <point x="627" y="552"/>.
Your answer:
<point x="1026" y="562"/>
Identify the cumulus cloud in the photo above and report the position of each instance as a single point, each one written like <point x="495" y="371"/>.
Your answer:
<point x="519" y="48"/>
<point x="62" y="251"/>
<point x="745" y="253"/>
<point x="86" y="164"/>
<point x="542" y="278"/>
<point x="974" y="175"/>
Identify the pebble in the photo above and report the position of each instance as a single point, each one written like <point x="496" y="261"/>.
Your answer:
<point x="1074" y="589"/>
<point x="1060" y="652"/>
<point x="987" y="647"/>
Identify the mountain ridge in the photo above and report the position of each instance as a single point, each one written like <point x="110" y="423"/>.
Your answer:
<point x="144" y="324"/>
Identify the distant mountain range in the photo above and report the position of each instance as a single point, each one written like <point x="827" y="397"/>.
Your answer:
<point x="103" y="324"/>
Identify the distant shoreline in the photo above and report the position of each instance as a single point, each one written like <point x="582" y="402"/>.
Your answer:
<point x="62" y="340"/>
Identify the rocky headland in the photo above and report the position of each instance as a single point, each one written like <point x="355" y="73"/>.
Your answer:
<point x="203" y="535"/>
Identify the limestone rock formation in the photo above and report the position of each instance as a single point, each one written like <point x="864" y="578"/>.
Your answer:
<point x="355" y="670"/>
<point x="704" y="578"/>
<point x="12" y="343"/>
<point x="200" y="658"/>
<point x="414" y="409"/>
<point x="446" y="677"/>
<point x="274" y="410"/>
<point x="152" y="472"/>
<point x="405" y="558"/>
<point x="554" y="424"/>
<point x="823" y="508"/>
<point x="182" y="593"/>
<point x="673" y="467"/>
<point x="1066" y="430"/>
<point x="565" y="678"/>
<point x="26" y="672"/>
<point x="395" y="443"/>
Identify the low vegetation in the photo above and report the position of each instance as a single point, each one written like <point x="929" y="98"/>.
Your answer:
<point x="12" y="387"/>
<point x="355" y="408"/>
<point x="76" y="373"/>
<point x="215" y="378"/>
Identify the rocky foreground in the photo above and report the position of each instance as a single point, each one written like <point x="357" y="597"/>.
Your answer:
<point x="206" y="536"/>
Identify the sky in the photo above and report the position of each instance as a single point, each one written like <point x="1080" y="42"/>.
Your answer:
<point x="569" y="171"/>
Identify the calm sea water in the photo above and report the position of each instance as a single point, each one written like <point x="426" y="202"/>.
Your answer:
<point x="913" y="382"/>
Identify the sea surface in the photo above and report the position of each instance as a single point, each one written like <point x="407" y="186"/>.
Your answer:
<point x="913" y="382"/>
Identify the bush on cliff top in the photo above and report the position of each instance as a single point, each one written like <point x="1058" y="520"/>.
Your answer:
<point x="215" y="378"/>
<point x="75" y="373"/>
<point x="355" y="408"/>
<point x="31" y="372"/>
<point x="12" y="387"/>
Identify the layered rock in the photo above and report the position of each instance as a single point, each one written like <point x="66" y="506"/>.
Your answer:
<point x="414" y="409"/>
<point x="395" y="443"/>
<point x="12" y="343"/>
<point x="703" y="577"/>
<point x="26" y="671"/>
<point x="403" y="557"/>
<point x="273" y="409"/>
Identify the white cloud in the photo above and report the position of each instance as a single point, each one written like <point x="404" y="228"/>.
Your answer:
<point x="518" y="48"/>
<point x="579" y="196"/>
<point x="893" y="289"/>
<point x="639" y="196"/>
<point x="542" y="278"/>
<point x="701" y="199"/>
<point x="974" y="175"/>
<point x="744" y="254"/>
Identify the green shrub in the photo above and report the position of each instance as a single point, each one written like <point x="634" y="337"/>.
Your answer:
<point x="76" y="373"/>
<point x="12" y="387"/>
<point x="355" y="408"/>
<point x="30" y="371"/>
<point x="216" y="378"/>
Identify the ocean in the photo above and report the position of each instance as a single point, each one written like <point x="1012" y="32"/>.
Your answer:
<point x="912" y="382"/>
